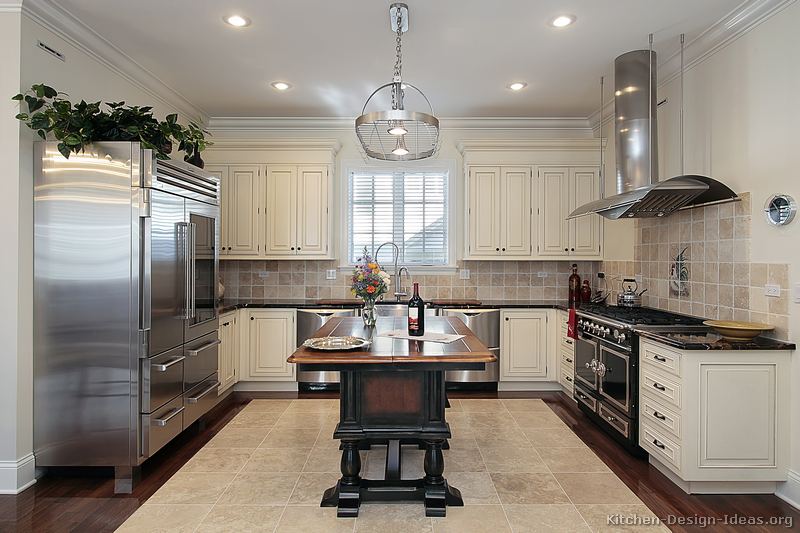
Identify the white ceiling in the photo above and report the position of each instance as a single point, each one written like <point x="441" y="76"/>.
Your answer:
<point x="461" y="53"/>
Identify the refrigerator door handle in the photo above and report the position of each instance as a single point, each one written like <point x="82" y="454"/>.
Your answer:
<point x="146" y="274"/>
<point x="183" y="232"/>
<point x="192" y="268"/>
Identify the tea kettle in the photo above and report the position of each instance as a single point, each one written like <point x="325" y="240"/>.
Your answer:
<point x="629" y="297"/>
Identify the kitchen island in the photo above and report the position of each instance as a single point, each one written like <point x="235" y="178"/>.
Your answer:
<point x="393" y="391"/>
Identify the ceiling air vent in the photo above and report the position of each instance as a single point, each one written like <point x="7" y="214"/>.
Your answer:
<point x="52" y="51"/>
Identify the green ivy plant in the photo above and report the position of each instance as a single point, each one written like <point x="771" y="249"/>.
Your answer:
<point x="77" y="125"/>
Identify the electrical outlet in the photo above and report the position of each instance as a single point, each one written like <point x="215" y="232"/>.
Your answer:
<point x="541" y="274"/>
<point x="797" y="293"/>
<point x="463" y="273"/>
<point x="638" y="278"/>
<point x="263" y="274"/>
<point x="330" y="274"/>
<point x="772" y="290"/>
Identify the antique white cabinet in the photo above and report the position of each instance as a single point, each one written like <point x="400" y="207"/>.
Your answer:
<point x="523" y="345"/>
<point x="561" y="190"/>
<point x="268" y="340"/>
<point x="228" y="350"/>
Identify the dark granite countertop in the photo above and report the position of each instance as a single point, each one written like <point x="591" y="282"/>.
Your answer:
<point x="709" y="340"/>
<point x="238" y="303"/>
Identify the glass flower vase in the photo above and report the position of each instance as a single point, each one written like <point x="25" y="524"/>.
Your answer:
<point x="368" y="313"/>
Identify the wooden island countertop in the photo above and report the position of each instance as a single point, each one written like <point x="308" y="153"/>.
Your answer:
<point x="386" y="350"/>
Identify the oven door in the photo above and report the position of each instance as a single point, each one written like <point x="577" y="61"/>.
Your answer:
<point x="587" y="354"/>
<point x="614" y="373"/>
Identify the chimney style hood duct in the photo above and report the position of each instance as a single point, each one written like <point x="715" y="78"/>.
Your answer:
<point x="639" y="192"/>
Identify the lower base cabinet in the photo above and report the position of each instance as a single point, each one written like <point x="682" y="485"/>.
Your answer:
<point x="228" y="350"/>
<point x="268" y="339"/>
<point x="566" y="355"/>
<point x="523" y="345"/>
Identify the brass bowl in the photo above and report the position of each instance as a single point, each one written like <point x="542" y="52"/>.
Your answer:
<point x="733" y="330"/>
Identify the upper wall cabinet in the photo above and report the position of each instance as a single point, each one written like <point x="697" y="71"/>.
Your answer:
<point x="561" y="190"/>
<point x="239" y="208"/>
<point x="297" y="212"/>
<point x="499" y="212"/>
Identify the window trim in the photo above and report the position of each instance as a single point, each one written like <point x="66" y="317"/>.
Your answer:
<point x="444" y="166"/>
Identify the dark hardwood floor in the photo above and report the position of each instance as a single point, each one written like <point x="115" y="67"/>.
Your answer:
<point x="72" y="501"/>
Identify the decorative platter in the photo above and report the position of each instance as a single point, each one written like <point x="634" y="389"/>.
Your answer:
<point x="336" y="344"/>
<point x="733" y="330"/>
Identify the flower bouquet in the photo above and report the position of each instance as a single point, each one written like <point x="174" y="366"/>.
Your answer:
<point x="369" y="283"/>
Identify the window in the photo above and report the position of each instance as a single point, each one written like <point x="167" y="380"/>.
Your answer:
<point x="407" y="208"/>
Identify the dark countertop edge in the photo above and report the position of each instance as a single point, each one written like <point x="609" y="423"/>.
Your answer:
<point x="763" y="343"/>
<point x="231" y="305"/>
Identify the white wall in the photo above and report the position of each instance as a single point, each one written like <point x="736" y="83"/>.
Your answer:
<point x="741" y="118"/>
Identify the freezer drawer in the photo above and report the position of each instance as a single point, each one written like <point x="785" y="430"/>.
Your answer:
<point x="200" y="400"/>
<point x="202" y="360"/>
<point x="161" y="426"/>
<point x="162" y="379"/>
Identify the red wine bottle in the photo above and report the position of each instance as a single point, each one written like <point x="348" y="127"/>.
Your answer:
<point x="416" y="314"/>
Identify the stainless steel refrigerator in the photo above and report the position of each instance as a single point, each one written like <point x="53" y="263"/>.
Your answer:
<point x="125" y="287"/>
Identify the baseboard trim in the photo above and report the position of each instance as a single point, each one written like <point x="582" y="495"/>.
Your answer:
<point x="266" y="386"/>
<point x="16" y="476"/>
<point x="789" y="490"/>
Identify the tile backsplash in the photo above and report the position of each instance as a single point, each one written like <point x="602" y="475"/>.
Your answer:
<point x="721" y="281"/>
<point x="489" y="280"/>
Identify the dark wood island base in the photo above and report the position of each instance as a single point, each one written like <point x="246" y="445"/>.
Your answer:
<point x="394" y="393"/>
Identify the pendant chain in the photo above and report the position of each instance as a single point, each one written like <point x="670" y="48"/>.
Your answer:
<point x="398" y="65"/>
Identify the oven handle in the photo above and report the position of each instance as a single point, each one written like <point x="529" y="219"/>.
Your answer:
<point x="587" y="335"/>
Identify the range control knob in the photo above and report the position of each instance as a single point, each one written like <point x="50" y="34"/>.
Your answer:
<point x="621" y="338"/>
<point x="607" y="331"/>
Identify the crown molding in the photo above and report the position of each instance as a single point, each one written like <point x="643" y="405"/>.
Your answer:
<point x="232" y="144"/>
<point x="266" y="124"/>
<point x="528" y="145"/>
<point x="55" y="18"/>
<point x="11" y="7"/>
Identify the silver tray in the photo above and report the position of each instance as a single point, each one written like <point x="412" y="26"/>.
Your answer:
<point x="336" y="344"/>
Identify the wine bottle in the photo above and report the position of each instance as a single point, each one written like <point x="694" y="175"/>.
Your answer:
<point x="416" y="314"/>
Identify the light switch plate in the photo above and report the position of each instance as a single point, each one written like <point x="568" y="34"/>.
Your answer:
<point x="263" y="274"/>
<point x="330" y="274"/>
<point x="772" y="290"/>
<point x="541" y="274"/>
<point x="463" y="273"/>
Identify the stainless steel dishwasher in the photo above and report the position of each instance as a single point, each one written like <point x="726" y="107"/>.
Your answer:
<point x="309" y="321"/>
<point x="485" y="323"/>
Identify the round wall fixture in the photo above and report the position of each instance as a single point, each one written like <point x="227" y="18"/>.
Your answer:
<point x="780" y="209"/>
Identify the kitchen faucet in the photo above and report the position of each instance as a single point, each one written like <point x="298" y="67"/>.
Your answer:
<point x="399" y="293"/>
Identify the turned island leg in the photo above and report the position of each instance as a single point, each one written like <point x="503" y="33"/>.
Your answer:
<point x="438" y="494"/>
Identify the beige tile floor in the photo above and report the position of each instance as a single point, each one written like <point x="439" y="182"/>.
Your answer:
<point x="518" y="466"/>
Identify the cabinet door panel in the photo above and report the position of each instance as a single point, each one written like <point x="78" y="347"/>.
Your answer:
<point x="484" y="211"/>
<point x="221" y="172"/>
<point x="242" y="210"/>
<point x="312" y="210"/>
<point x="228" y="351"/>
<point x="281" y="216"/>
<point x="553" y="211"/>
<point x="271" y="340"/>
<point x="515" y="215"/>
<point x="584" y="231"/>
<point x="523" y="346"/>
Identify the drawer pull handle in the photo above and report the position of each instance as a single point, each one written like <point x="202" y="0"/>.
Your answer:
<point x="611" y="418"/>
<point x="204" y="347"/>
<point x="161" y="422"/>
<point x="659" y="386"/>
<point x="655" y="441"/>
<point x="205" y="392"/>
<point x="568" y="378"/>
<point x="660" y="359"/>
<point x="165" y="366"/>
<point x="659" y="415"/>
<point x="569" y="341"/>
<point x="569" y="360"/>
<point x="582" y="396"/>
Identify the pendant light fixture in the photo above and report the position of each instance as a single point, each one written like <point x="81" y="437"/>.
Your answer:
<point x="398" y="134"/>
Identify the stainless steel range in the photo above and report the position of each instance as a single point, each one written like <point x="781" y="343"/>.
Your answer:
<point x="607" y="364"/>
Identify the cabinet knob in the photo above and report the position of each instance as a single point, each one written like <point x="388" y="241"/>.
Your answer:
<point x="506" y="319"/>
<point x="298" y="248"/>
<point x="572" y="249"/>
<point x="292" y="247"/>
<point x="566" y="249"/>
<point x="252" y="318"/>
<point x="504" y="249"/>
<point x="497" y="249"/>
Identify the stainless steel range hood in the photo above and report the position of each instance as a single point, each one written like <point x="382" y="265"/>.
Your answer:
<point x="639" y="192"/>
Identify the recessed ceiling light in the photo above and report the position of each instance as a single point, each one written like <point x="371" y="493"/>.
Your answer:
<point x="237" y="21"/>
<point x="562" y="21"/>
<point x="517" y="86"/>
<point x="280" y="85"/>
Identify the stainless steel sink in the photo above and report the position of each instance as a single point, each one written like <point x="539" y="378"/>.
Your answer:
<point x="397" y="309"/>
